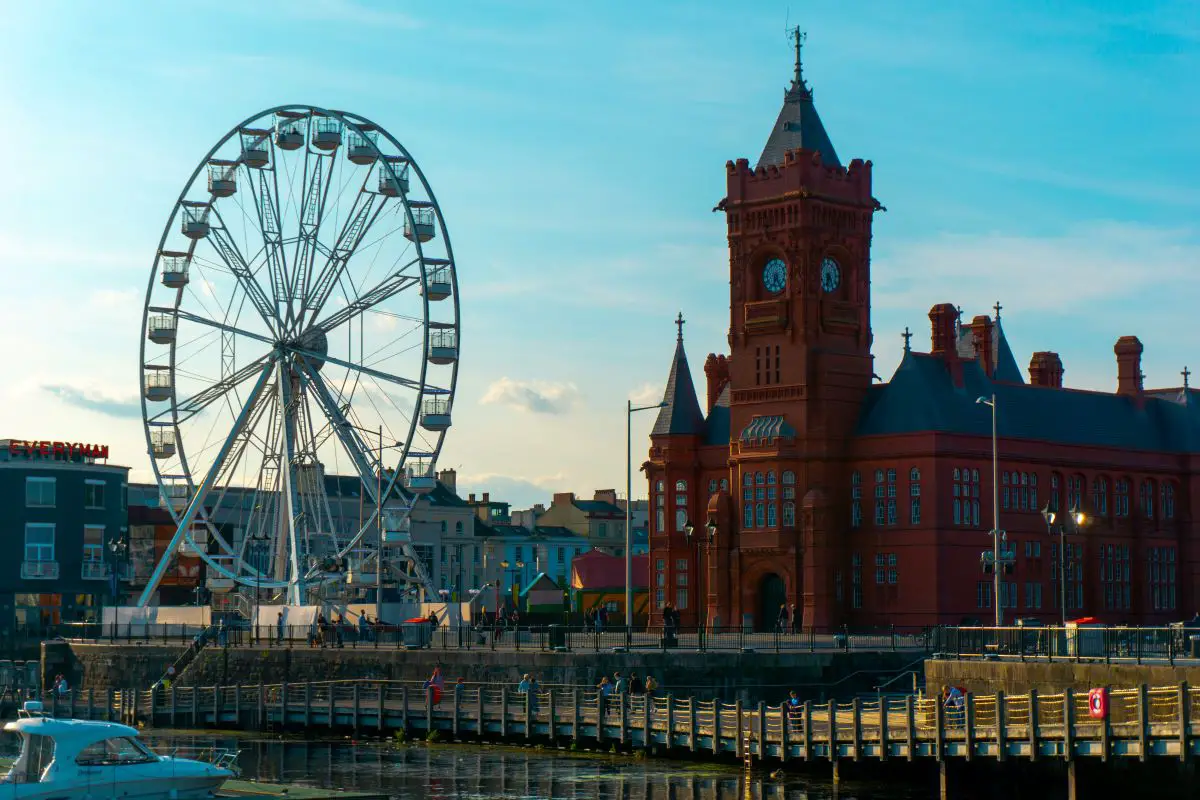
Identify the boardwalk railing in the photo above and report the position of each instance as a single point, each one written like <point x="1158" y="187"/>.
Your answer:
<point x="488" y="637"/>
<point x="1141" y="723"/>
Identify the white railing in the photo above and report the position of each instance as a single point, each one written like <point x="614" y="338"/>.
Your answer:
<point x="94" y="571"/>
<point x="39" y="570"/>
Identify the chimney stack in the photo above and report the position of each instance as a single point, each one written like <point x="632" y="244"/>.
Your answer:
<point x="943" y="318"/>
<point x="1129" y="365"/>
<point x="449" y="479"/>
<point x="982" y="334"/>
<point x="563" y="498"/>
<point x="486" y="498"/>
<point x="471" y="497"/>
<point x="716" y="370"/>
<point x="1046" y="369"/>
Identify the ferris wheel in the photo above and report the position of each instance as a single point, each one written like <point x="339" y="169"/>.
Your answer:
<point x="301" y="325"/>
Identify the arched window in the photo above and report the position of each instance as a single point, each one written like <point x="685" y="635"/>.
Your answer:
<point x="789" y="515"/>
<point x="1100" y="496"/>
<point x="712" y="486"/>
<point x="880" y="498"/>
<point x="789" y="478"/>
<point x="914" y="474"/>
<point x="879" y="476"/>
<point x="1024" y="491"/>
<point x="760" y="479"/>
<point x="458" y="528"/>
<point x="724" y="484"/>
<point x="1005" y="497"/>
<point x="658" y="485"/>
<point x="1074" y="492"/>
<point x="1121" y="497"/>
<point x="748" y="479"/>
<point x="1168" y="501"/>
<point x="770" y="515"/>
<point x="681" y="486"/>
<point x="1055" y="501"/>
<point x="855" y="499"/>
<point x="1146" y="496"/>
<point x="1033" y="494"/>
<point x="760" y="515"/>
<point x="443" y="526"/>
<point x="748" y="516"/>
<point x="771" y="478"/>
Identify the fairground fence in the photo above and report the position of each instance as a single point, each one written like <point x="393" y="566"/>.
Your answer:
<point x="532" y="638"/>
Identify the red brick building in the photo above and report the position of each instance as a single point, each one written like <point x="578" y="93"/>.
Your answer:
<point x="868" y="502"/>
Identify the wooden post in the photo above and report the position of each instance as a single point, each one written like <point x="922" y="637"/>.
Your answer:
<point x="1143" y="721"/>
<point x="283" y="705"/>
<point x="831" y="710"/>
<point x="740" y="739"/>
<point x="909" y="733"/>
<point x="262" y="706"/>
<point x="1106" y="733"/>
<point x="453" y="723"/>
<point x="428" y="708"/>
<point x="1033" y="725"/>
<point x="358" y="707"/>
<point x="647" y="723"/>
<point x="575" y="715"/>
<point x="380" y="706"/>
<point x="528" y="714"/>
<point x="195" y="706"/>
<point x="944" y="779"/>
<point x="623" y="717"/>
<point x="762" y="730"/>
<point x="693" y="722"/>
<point x="404" y="709"/>
<point x="218" y="697"/>
<point x="332" y="703"/>
<point x="1072" y="785"/>
<point x="806" y="721"/>
<point x="784" y="722"/>
<point x="479" y="727"/>
<point x="308" y="697"/>
<point x="969" y="724"/>
<point x="883" y="728"/>
<point x="1185" y="720"/>
<point x="1069" y="724"/>
<point x="1001" y="728"/>
<point x="71" y="704"/>
<point x="856" y="716"/>
<point x="716" y="739"/>
<point x="552" y="712"/>
<point x="108" y="707"/>
<point x="504" y="713"/>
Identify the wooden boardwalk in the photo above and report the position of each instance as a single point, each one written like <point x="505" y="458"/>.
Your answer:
<point x="1142" y="723"/>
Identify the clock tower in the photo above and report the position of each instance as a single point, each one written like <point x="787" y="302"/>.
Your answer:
<point x="799" y="231"/>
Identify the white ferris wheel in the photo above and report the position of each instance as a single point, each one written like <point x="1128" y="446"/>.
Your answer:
<point x="301" y="322"/>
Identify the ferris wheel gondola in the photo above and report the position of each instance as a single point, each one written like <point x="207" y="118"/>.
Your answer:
<point x="302" y="309"/>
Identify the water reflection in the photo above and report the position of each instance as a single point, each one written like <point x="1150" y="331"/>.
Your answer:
<point x="468" y="772"/>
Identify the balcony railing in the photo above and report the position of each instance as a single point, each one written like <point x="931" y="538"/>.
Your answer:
<point x="39" y="570"/>
<point x="95" y="571"/>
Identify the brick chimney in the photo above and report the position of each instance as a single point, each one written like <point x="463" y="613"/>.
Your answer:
<point x="486" y="498"/>
<point x="943" y="318"/>
<point x="606" y="496"/>
<point x="1129" y="365"/>
<point x="563" y="498"/>
<point x="982" y="334"/>
<point x="1046" y="369"/>
<point x="471" y="497"/>
<point x="449" y="479"/>
<point x="716" y="370"/>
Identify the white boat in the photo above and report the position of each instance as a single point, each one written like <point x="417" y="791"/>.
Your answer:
<point x="66" y="759"/>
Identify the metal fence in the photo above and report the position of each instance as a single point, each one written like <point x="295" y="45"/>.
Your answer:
<point x="1107" y="643"/>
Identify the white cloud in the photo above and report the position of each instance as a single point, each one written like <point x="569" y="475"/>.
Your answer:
<point x="538" y="397"/>
<point x="90" y="399"/>
<point x="521" y="492"/>
<point x="115" y="299"/>
<point x="645" y="394"/>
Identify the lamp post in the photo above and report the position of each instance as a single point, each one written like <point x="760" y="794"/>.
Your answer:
<point x="710" y="530"/>
<point x="997" y="534"/>
<point x="629" y="411"/>
<point x="378" y="514"/>
<point x="1077" y="519"/>
<point x="258" y="541"/>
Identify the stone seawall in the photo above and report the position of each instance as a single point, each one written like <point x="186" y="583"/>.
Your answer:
<point x="1017" y="677"/>
<point x="750" y="676"/>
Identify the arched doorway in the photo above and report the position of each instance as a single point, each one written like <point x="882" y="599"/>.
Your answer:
<point x="772" y="594"/>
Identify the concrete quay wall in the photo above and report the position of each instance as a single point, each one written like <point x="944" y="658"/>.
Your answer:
<point x="750" y="676"/>
<point x="1018" y="677"/>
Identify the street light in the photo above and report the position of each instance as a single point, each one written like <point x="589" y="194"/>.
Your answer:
<point x="710" y="530"/>
<point x="1077" y="519"/>
<point x="629" y="411"/>
<point x="257" y="541"/>
<point x="378" y="514"/>
<point x="996" y="532"/>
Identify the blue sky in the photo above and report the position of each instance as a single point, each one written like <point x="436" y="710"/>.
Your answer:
<point x="1043" y="155"/>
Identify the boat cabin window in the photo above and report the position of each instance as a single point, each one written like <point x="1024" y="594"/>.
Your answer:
<point x="37" y="752"/>
<point x="118" y="750"/>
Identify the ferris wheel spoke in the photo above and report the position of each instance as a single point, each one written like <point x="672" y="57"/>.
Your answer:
<point x="190" y="407"/>
<point x="227" y="249"/>
<point x="405" y="382"/>
<point x="214" y="471"/>
<point x="200" y="320"/>
<point x="266" y="206"/>
<point x="386" y="289"/>
<point x="358" y="224"/>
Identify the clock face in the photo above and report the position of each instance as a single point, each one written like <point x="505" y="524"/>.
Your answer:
<point x="831" y="275"/>
<point x="775" y="275"/>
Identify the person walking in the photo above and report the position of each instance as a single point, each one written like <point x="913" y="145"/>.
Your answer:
<point x="435" y="685"/>
<point x="795" y="619"/>
<point x="781" y="621"/>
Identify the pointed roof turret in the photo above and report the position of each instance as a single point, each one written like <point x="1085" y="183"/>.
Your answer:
<point x="798" y="125"/>
<point x="681" y="415"/>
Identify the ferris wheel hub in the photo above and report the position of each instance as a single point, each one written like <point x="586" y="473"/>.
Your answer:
<point x="315" y="345"/>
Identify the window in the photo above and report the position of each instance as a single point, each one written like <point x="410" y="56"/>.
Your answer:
<point x="93" y="494"/>
<point x="966" y="497"/>
<point x="1168" y="501"/>
<point x="458" y="528"/>
<point x="1075" y="492"/>
<point x="789" y="515"/>
<point x="1008" y="594"/>
<point x="602" y="529"/>
<point x="1074" y="568"/>
<point x="1033" y="493"/>
<point x="115" y="751"/>
<point x="760" y="515"/>
<point x="891" y="497"/>
<point x="855" y="499"/>
<point x="1033" y="548"/>
<point x="724" y="484"/>
<point x="681" y="598"/>
<point x="93" y="544"/>
<point x="681" y="486"/>
<point x="1146" y="497"/>
<point x="856" y="581"/>
<point x="1161" y="568"/>
<point x="660" y="581"/>
<point x="1100" y="496"/>
<point x="983" y="594"/>
<point x="1114" y="576"/>
<point x="880" y="498"/>
<point x="660" y="511"/>
<point x="712" y="486"/>
<point x="880" y="571"/>
<point x="39" y="541"/>
<point x="1055" y="488"/>
<point x="789" y="478"/>
<point x="914" y="496"/>
<point x="39" y="492"/>
<point x="1121" y="498"/>
<point x="561" y="553"/>
<point x="1004" y="491"/>
<point x="760" y="479"/>
<point x="748" y="516"/>
<point x="771" y="515"/>
<point x="1033" y="596"/>
<point x="517" y="552"/>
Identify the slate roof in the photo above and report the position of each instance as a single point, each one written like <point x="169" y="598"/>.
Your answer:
<point x="682" y="413"/>
<point x="921" y="396"/>
<point x="1002" y="354"/>
<point x="716" y="426"/>
<point x="599" y="506"/>
<point x="351" y="486"/>
<point x="798" y="126"/>
<point x="521" y="532"/>
<point x="769" y="427"/>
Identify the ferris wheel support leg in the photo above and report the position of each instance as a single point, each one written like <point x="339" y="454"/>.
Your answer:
<point x="202" y="491"/>
<point x="291" y="495"/>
